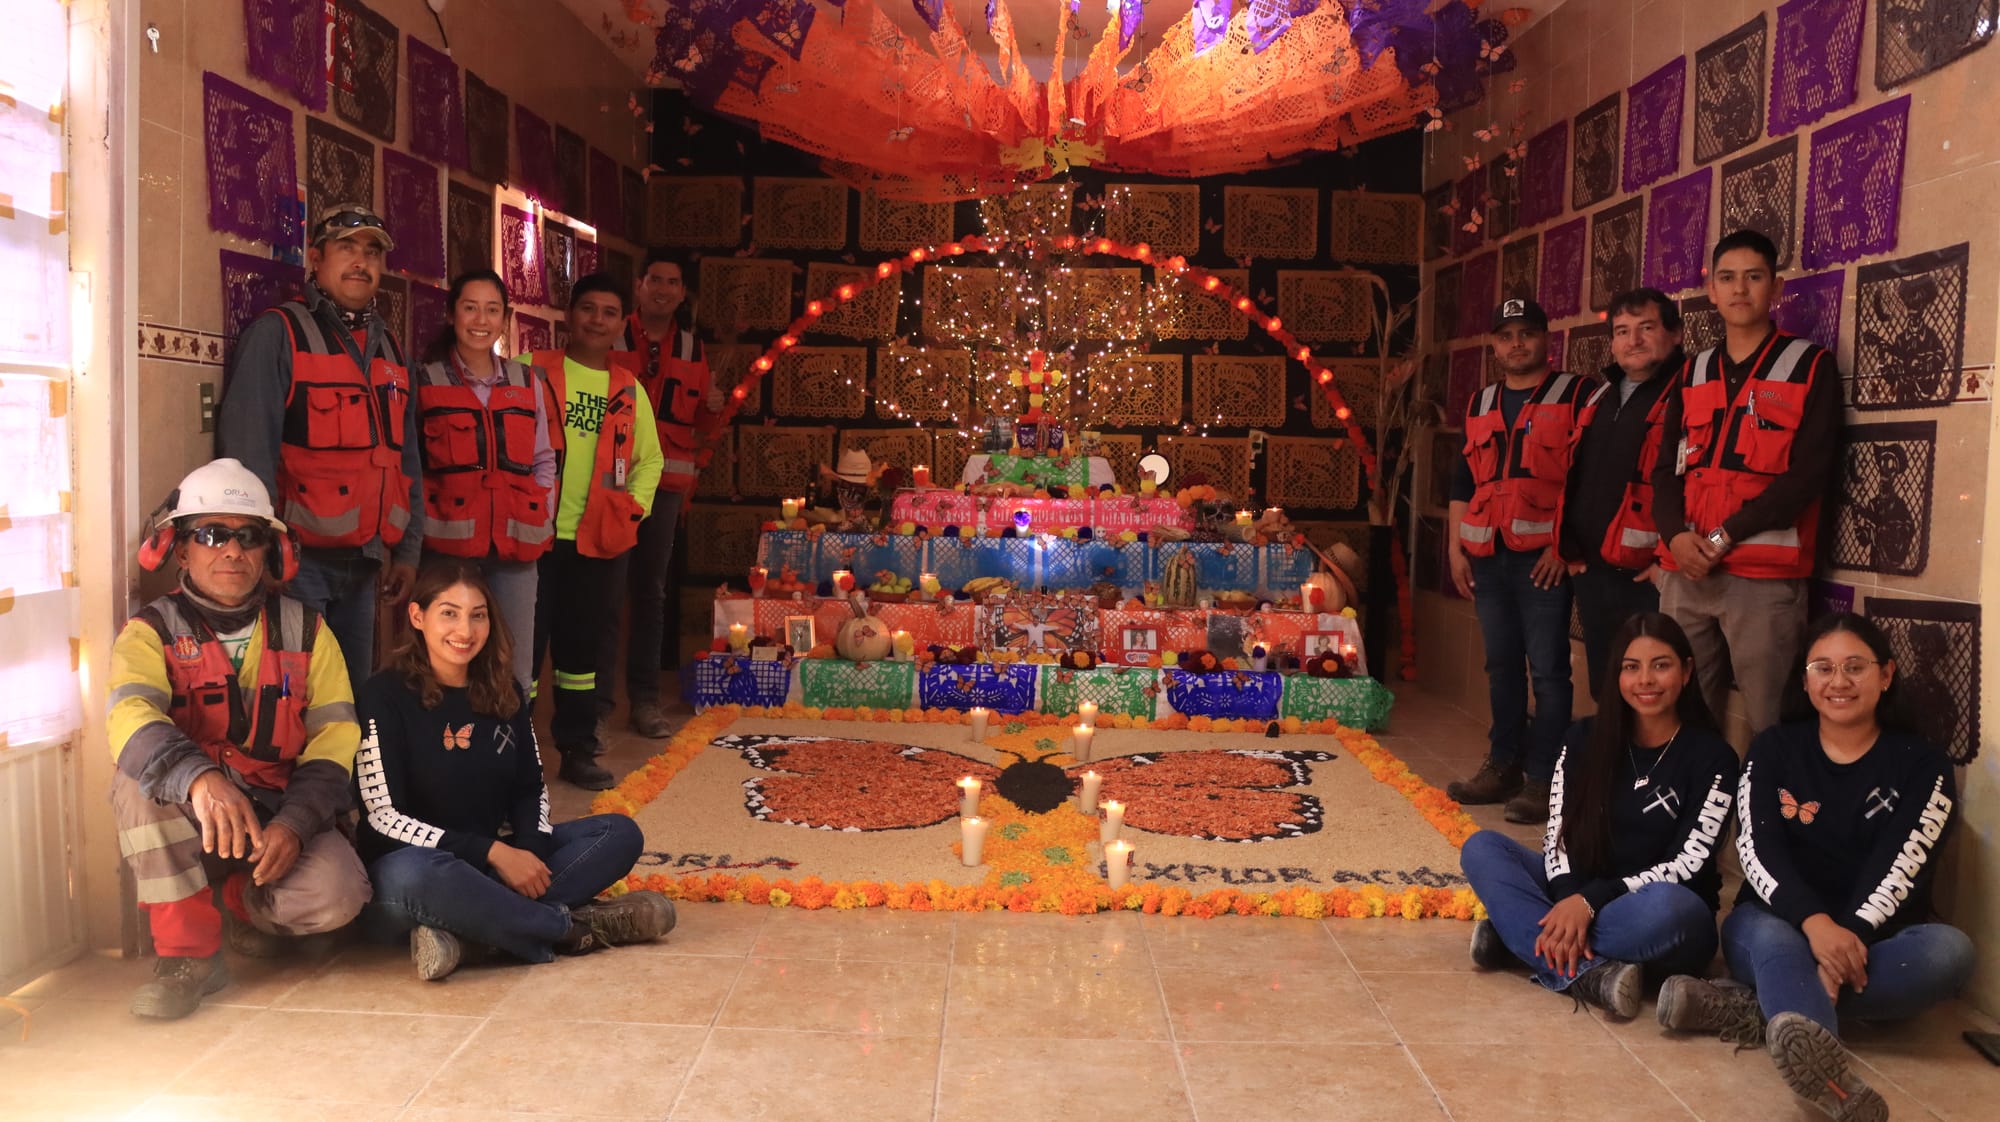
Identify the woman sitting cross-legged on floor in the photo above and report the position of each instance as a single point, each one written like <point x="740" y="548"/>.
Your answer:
<point x="1626" y="879"/>
<point x="1843" y="809"/>
<point x="455" y="827"/>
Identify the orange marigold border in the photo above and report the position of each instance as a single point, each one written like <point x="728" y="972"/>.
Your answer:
<point x="1072" y="898"/>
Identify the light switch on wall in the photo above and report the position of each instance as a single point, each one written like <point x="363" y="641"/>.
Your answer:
<point x="207" y="391"/>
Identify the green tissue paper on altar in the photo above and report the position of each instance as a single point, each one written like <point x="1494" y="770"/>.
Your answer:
<point x="1361" y="703"/>
<point x="831" y="682"/>
<point x="1041" y="471"/>
<point x="1114" y="690"/>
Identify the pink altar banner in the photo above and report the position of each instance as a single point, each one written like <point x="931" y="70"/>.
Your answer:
<point x="935" y="508"/>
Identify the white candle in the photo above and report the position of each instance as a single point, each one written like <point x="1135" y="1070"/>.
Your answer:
<point x="1087" y="713"/>
<point x="789" y="508"/>
<point x="1114" y="820"/>
<point x="972" y="832"/>
<point x="901" y="644"/>
<point x="1086" y="796"/>
<point x="1305" y="598"/>
<point x="1118" y="862"/>
<point x="968" y="801"/>
<point x="979" y="715"/>
<point x="1083" y="735"/>
<point x="1245" y="518"/>
<point x="739" y="638"/>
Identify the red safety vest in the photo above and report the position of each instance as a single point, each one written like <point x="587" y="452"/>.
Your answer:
<point x="677" y="386"/>
<point x="1521" y="473"/>
<point x="254" y="739"/>
<point x="480" y="494"/>
<point x="611" y="516"/>
<point x="340" y="462"/>
<point x="1632" y="541"/>
<point x="1732" y="448"/>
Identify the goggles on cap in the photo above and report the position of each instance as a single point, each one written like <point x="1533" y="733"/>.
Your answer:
<point x="347" y="220"/>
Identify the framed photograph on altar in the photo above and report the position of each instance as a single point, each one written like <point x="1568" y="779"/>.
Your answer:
<point x="1315" y="643"/>
<point x="799" y="634"/>
<point x="1136" y="646"/>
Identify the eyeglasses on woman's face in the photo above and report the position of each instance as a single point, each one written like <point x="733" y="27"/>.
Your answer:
<point x="1820" y="669"/>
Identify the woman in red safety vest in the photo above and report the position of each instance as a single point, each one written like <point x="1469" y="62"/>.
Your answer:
<point x="490" y="453"/>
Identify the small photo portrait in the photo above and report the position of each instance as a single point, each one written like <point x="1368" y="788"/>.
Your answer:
<point x="799" y="634"/>
<point x="1142" y="639"/>
<point x="1314" y="643"/>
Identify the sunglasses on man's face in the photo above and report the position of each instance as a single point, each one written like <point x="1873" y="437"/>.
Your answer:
<point x="254" y="536"/>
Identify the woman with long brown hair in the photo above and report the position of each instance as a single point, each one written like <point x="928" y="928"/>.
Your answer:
<point x="455" y="827"/>
<point x="1626" y="876"/>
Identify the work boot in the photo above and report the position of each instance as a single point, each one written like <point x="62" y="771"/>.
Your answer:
<point x="1612" y="986"/>
<point x="1488" y="952"/>
<point x="1728" y="1009"/>
<point x="434" y="952"/>
<point x="636" y="917"/>
<point x="1493" y="783"/>
<point x="1531" y="805"/>
<point x="648" y="721"/>
<point x="581" y="769"/>
<point x="249" y="940"/>
<point x="178" y="986"/>
<point x="1814" y="1066"/>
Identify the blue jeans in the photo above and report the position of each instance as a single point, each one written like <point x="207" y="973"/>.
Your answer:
<point x="1666" y="927"/>
<point x="341" y="588"/>
<point x="418" y="885"/>
<point x="1526" y="629"/>
<point x="1908" y="972"/>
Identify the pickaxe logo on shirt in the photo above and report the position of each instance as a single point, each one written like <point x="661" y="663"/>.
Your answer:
<point x="1665" y="799"/>
<point x="1880" y="802"/>
<point x="503" y="739"/>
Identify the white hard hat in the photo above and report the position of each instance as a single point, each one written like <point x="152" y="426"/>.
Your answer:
<point x="220" y="487"/>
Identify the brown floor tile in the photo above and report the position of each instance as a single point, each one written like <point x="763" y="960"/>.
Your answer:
<point x="1007" y="938"/>
<point x="1324" y="1082"/>
<point x="817" y="995"/>
<point x="60" y="981"/>
<point x="321" y="1054"/>
<point x="531" y="1066"/>
<point x="1303" y="1006"/>
<point x="1011" y="1080"/>
<point x="1479" y="1008"/>
<point x="1240" y="943"/>
<point x="654" y="989"/>
<point x="1927" y="1059"/>
<point x="1544" y="1081"/>
<point x="74" y="1046"/>
<point x="190" y="1108"/>
<point x="1043" y="1000"/>
<point x="549" y="1113"/>
<point x="867" y="935"/>
<point x="65" y="1106"/>
<point x="380" y="979"/>
<point x="810" y="1077"/>
<point x="1432" y="946"/>
<point x="727" y="930"/>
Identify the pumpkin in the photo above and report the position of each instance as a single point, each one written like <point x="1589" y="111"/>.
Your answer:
<point x="1177" y="585"/>
<point x="863" y="639"/>
<point x="1332" y="591"/>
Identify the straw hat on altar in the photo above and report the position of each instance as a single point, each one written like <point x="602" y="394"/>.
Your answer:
<point x="855" y="467"/>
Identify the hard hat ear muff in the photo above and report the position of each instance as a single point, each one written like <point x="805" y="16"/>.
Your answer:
<point x="153" y="552"/>
<point x="285" y="556"/>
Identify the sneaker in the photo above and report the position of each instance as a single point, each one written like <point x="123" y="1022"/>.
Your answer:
<point x="1814" y="1065"/>
<point x="636" y="917"/>
<point x="249" y="940"/>
<point x="579" y="770"/>
<point x="1728" y="1009"/>
<point x="648" y="721"/>
<point x="178" y="986"/>
<point x="1488" y="952"/>
<point x="435" y="953"/>
<point x="1612" y="986"/>
<point x="1494" y="783"/>
<point x="1531" y="805"/>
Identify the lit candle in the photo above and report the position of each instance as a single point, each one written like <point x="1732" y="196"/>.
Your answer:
<point x="1114" y="820"/>
<point x="759" y="576"/>
<point x="1245" y="518"/>
<point x="921" y="475"/>
<point x="790" y="508"/>
<point x="972" y="833"/>
<point x="1022" y="519"/>
<point x="739" y="638"/>
<point x="1118" y="862"/>
<point x="843" y="580"/>
<point x="1260" y="658"/>
<point x="1306" y="592"/>
<point x="1086" y="795"/>
<point x="901" y="643"/>
<point x="968" y="799"/>
<point x="1087" y="713"/>
<point x="1273" y="512"/>
<point x="1083" y="735"/>
<point x="979" y="715"/>
<point x="929" y="583"/>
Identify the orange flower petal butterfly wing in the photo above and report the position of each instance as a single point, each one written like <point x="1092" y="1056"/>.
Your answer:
<point x="1235" y="795"/>
<point x="841" y="784"/>
<point x="460" y="738"/>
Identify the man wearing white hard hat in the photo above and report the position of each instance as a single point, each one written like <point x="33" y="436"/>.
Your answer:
<point x="232" y="724"/>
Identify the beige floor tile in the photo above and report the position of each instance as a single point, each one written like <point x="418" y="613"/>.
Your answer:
<point x="1428" y="946"/>
<point x="1011" y="1080"/>
<point x="728" y="930"/>
<point x="818" y="995"/>
<point x="869" y="935"/>
<point x="549" y="1113"/>
<point x="1240" y="942"/>
<point x="1280" y="1004"/>
<point x="380" y="979"/>
<point x="1080" y="1002"/>
<point x="530" y="1066"/>
<point x="200" y="1108"/>
<point x="58" y="982"/>
<point x="1544" y="1082"/>
<point x="77" y="1047"/>
<point x="402" y="1051"/>
<point x="65" y="1106"/>
<point x="1324" y="1082"/>
<point x="1479" y="1008"/>
<point x="810" y="1077"/>
<point x="1007" y="938"/>
<point x="1928" y="1059"/>
<point x="615" y="986"/>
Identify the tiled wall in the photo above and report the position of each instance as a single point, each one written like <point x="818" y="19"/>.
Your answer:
<point x="1591" y="49"/>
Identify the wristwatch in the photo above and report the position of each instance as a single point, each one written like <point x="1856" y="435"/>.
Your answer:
<point x="1720" y="539"/>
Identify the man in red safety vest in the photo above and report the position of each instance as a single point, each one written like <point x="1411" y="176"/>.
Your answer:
<point x="317" y="403"/>
<point x="1505" y="523"/>
<point x="1751" y="434"/>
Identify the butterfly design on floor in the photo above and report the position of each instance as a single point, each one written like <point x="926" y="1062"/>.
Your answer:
<point x="836" y="783"/>
<point x="462" y="738"/>
<point x="1791" y="807"/>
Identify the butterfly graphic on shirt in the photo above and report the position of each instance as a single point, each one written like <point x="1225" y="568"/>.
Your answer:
<point x="462" y="738"/>
<point x="1791" y="807"/>
<point x="834" y="783"/>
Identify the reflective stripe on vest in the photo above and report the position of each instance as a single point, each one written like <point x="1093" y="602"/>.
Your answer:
<point x="255" y="739"/>
<point x="611" y="516"/>
<point x="1519" y="483"/>
<point x="340" y="456"/>
<point x="479" y="484"/>
<point x="1743" y="454"/>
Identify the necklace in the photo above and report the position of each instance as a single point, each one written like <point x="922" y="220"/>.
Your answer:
<point x="1646" y="780"/>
